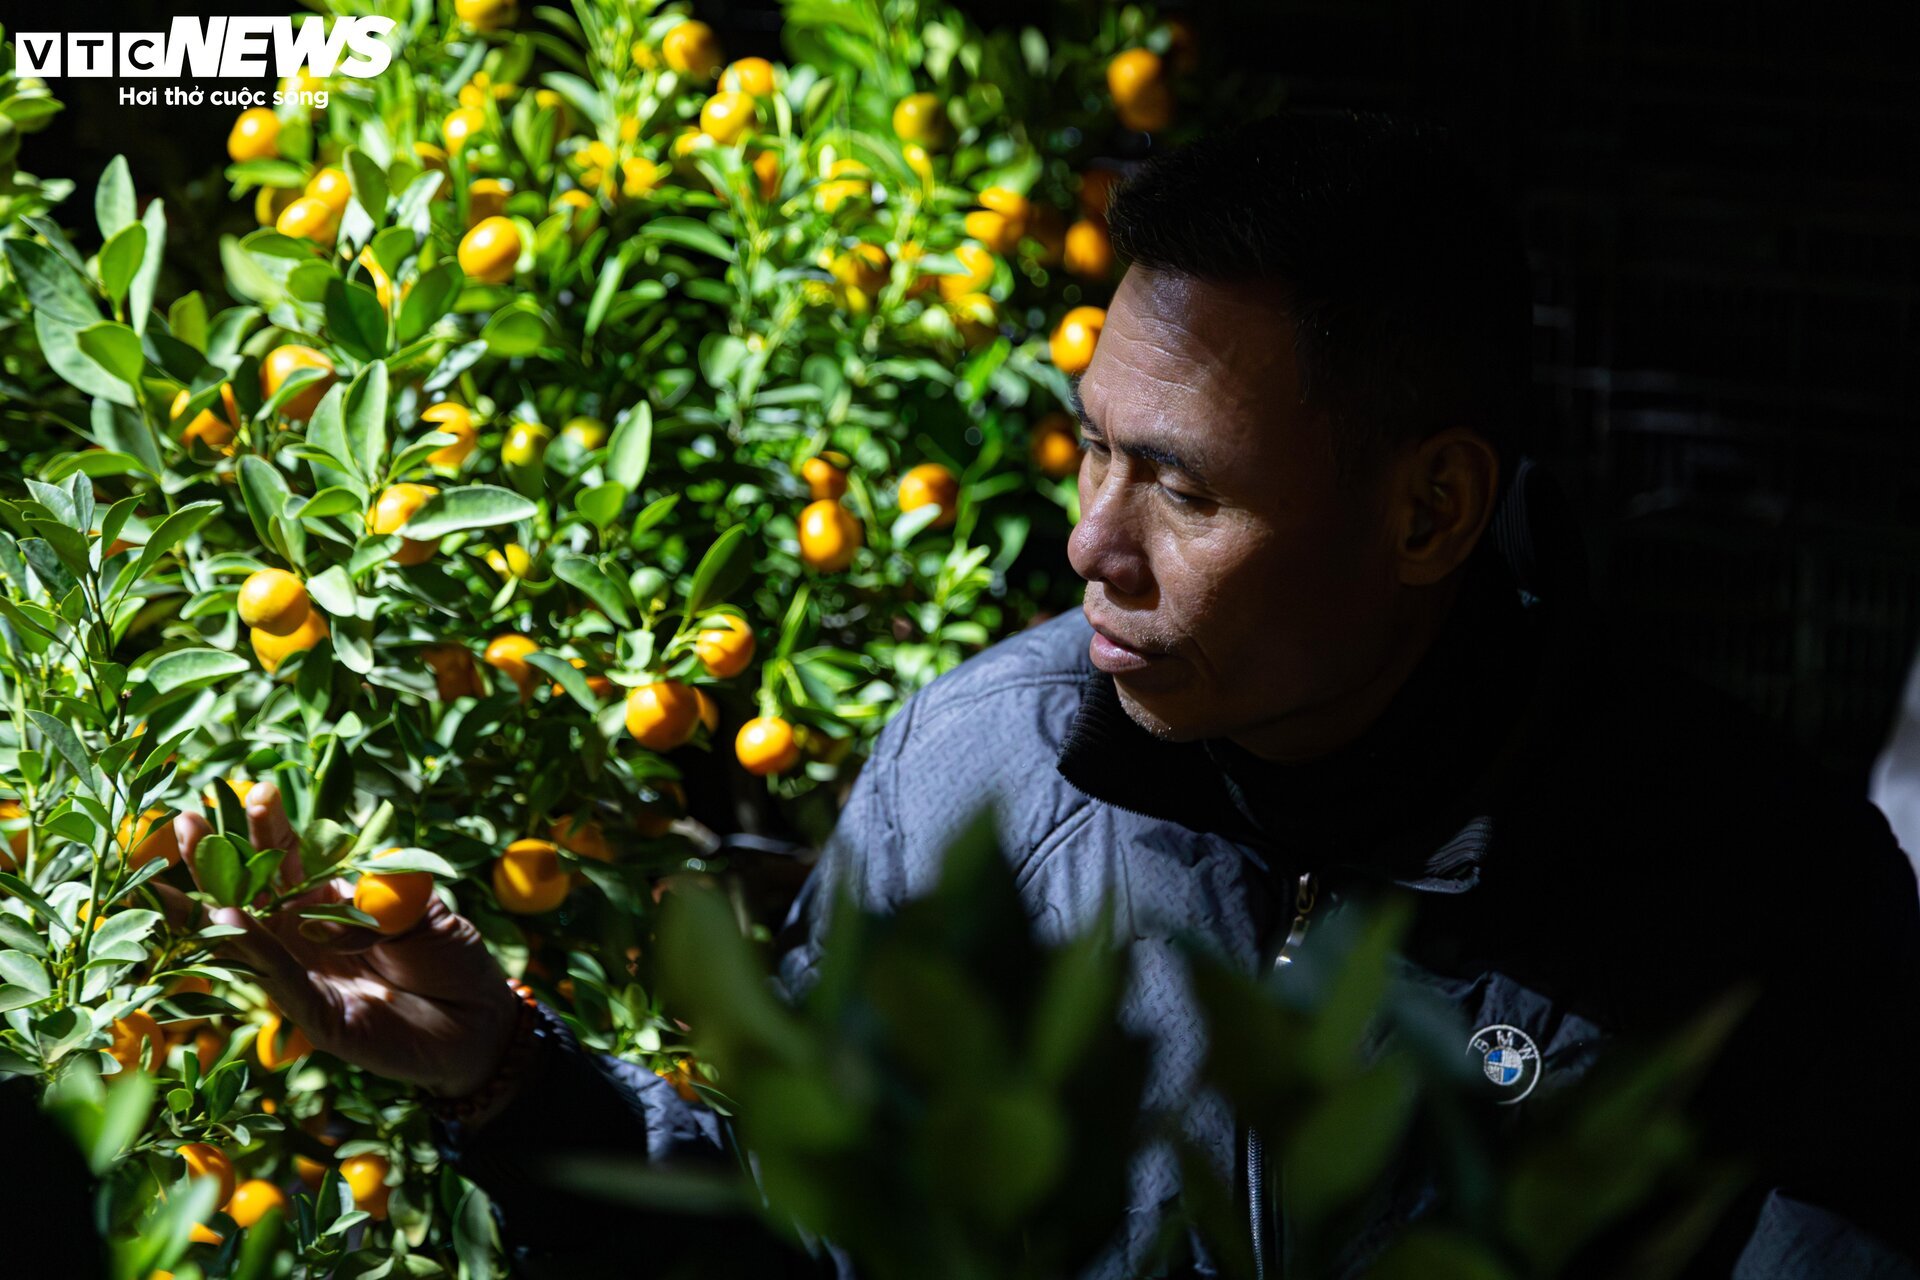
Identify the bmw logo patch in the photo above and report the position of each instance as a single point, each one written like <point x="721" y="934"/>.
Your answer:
<point x="1508" y="1059"/>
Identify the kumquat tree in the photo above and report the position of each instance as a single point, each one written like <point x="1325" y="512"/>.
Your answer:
<point x="598" y="440"/>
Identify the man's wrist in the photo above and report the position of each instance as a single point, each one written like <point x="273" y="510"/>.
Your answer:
<point x="518" y="1059"/>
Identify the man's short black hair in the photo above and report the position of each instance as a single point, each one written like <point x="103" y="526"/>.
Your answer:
<point x="1404" y="277"/>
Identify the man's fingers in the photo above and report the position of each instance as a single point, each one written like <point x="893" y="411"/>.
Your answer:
<point x="188" y="828"/>
<point x="267" y="823"/>
<point x="268" y="828"/>
<point x="286" y="980"/>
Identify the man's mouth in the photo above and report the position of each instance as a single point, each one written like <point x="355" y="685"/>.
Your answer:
<point x="1114" y="654"/>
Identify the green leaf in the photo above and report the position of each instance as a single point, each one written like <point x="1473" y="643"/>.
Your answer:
<point x="366" y="417"/>
<point x="409" y="858"/>
<point x="591" y="579"/>
<point x="31" y="619"/>
<point x="15" y="932"/>
<point x="351" y="645"/>
<point x="339" y="913"/>
<point x="473" y="1231"/>
<point x="515" y="331"/>
<point x="310" y="281"/>
<point x="53" y="287"/>
<point x="1353" y="995"/>
<point x="708" y="965"/>
<point x="909" y="523"/>
<point x="218" y="868"/>
<point x="65" y="741"/>
<point x="115" y="348"/>
<point x="120" y="257"/>
<point x="1344" y="1142"/>
<point x="373" y="833"/>
<point x="721" y="355"/>
<point x="123" y="927"/>
<point x="414" y="212"/>
<point x="567" y="676"/>
<point x="391" y="247"/>
<point x="327" y="432"/>
<point x="246" y="278"/>
<point x="60" y="344"/>
<point x="601" y="504"/>
<point x="632" y="444"/>
<point x="113" y="198"/>
<point x="117" y="516"/>
<point x="266" y="491"/>
<point x="533" y="131"/>
<point x="430" y="298"/>
<point x="20" y="889"/>
<point x="604" y="292"/>
<point x="129" y="1104"/>
<point x="722" y="569"/>
<point x="187" y="318"/>
<point x="121" y="430"/>
<point x="47" y="564"/>
<point x="172" y="531"/>
<point x="334" y="501"/>
<point x="474" y="506"/>
<point x="652" y="514"/>
<point x="261" y="1246"/>
<point x="689" y="233"/>
<point x="190" y="668"/>
<point x="228" y="330"/>
<point x="333" y="591"/>
<point x="22" y="971"/>
<point x="356" y="320"/>
<point x="369" y="184"/>
<point x="284" y="174"/>
<point x="140" y="293"/>
<point x="58" y="501"/>
<point x="70" y="547"/>
<point x="261" y="866"/>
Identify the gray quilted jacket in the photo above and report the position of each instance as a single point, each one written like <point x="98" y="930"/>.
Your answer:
<point x="1629" y="846"/>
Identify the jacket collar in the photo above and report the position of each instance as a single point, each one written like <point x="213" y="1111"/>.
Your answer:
<point x="1112" y="759"/>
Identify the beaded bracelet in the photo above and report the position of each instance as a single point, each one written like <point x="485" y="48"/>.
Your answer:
<point x="519" y="1049"/>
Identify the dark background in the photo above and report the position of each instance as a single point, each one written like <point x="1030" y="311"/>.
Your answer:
<point x="1720" y="206"/>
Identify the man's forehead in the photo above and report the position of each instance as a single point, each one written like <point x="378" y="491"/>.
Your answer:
<point x="1175" y="340"/>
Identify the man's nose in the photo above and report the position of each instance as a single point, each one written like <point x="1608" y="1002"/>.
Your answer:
<point x="1105" y="546"/>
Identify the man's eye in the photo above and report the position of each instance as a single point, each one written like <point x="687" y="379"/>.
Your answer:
<point x="1184" y="499"/>
<point x="1093" y="445"/>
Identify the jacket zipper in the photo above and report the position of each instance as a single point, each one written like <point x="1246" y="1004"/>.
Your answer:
<point x="1306" y="892"/>
<point x="1264" y="1220"/>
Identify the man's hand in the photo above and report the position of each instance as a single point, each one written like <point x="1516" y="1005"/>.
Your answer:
<point x="429" y="1006"/>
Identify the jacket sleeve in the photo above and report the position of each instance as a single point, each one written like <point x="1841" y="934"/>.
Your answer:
<point x="581" y="1106"/>
<point x="590" y="1105"/>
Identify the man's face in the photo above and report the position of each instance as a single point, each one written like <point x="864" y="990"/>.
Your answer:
<point x="1234" y="590"/>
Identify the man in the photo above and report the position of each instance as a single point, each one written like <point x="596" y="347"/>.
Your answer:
<point x="1332" y="640"/>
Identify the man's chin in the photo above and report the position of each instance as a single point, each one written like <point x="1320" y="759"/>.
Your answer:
<point x="1159" y="715"/>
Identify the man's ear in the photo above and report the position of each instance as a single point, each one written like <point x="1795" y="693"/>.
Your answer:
<point x="1443" y="497"/>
